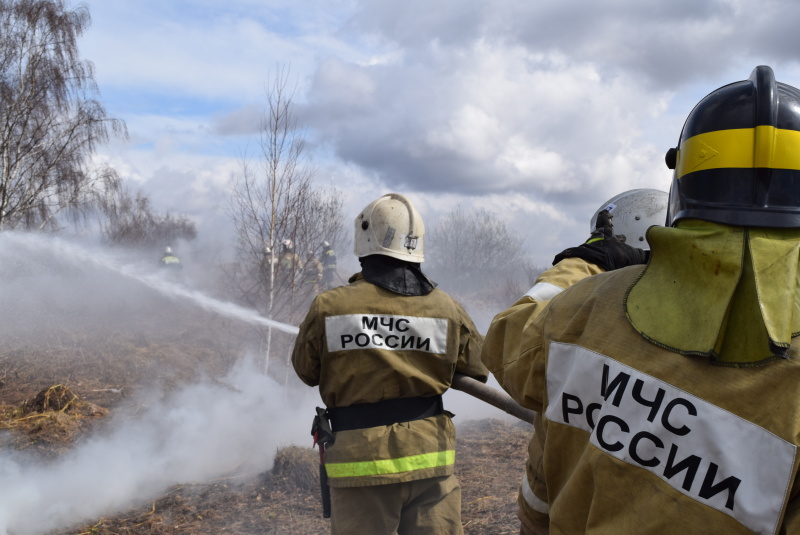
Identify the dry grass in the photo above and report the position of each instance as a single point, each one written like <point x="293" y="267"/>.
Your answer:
<point x="295" y="469"/>
<point x="490" y="463"/>
<point x="48" y="424"/>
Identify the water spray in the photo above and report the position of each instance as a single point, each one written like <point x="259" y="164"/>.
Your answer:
<point x="68" y="251"/>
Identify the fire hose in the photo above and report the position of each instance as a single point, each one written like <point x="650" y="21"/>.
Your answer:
<point x="492" y="396"/>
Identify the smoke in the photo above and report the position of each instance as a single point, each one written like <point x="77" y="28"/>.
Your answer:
<point x="201" y="432"/>
<point x="194" y="433"/>
<point x="57" y="294"/>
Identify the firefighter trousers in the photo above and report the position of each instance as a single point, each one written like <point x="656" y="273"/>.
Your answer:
<point x="423" y="507"/>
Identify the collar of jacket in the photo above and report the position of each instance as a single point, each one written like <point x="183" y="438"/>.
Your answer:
<point x="398" y="276"/>
<point x="727" y="293"/>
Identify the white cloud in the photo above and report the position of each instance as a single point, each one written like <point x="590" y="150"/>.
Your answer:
<point x="208" y="49"/>
<point x="563" y="104"/>
<point x="484" y="121"/>
<point x="525" y="161"/>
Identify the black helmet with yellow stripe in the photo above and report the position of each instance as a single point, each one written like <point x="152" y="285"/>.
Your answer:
<point x="738" y="159"/>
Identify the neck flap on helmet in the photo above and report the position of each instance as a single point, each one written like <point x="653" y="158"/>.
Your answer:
<point x="398" y="276"/>
<point x="727" y="293"/>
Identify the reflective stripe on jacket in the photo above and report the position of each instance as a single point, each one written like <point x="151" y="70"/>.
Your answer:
<point x="363" y="344"/>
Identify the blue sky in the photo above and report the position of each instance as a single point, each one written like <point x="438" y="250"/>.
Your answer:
<point x="538" y="111"/>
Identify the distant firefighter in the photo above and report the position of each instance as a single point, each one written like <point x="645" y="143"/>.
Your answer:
<point x="328" y="260"/>
<point x="312" y="272"/>
<point x="169" y="260"/>
<point x="288" y="261"/>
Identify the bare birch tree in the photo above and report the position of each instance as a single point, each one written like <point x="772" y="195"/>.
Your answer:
<point x="471" y="252"/>
<point x="274" y="200"/>
<point x="127" y="218"/>
<point x="50" y="121"/>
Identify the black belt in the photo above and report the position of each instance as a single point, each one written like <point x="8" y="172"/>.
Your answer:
<point x="387" y="412"/>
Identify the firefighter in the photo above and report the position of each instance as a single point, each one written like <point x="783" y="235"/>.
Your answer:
<point x="312" y="272"/>
<point x="383" y="350"/>
<point x="666" y="393"/>
<point x="288" y="264"/>
<point x="170" y="260"/>
<point x="623" y="218"/>
<point x="328" y="260"/>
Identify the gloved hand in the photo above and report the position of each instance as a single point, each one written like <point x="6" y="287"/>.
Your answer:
<point x="604" y="249"/>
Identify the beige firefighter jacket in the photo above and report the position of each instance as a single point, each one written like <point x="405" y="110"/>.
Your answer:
<point x="503" y="341"/>
<point x="363" y="344"/>
<point x="503" y="349"/>
<point x="633" y="438"/>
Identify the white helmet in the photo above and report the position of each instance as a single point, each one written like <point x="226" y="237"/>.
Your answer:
<point x="390" y="226"/>
<point x="287" y="244"/>
<point x="168" y="250"/>
<point x="635" y="211"/>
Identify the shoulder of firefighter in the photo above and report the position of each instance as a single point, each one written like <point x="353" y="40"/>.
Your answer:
<point x="504" y="342"/>
<point x="505" y="346"/>
<point x="382" y="362"/>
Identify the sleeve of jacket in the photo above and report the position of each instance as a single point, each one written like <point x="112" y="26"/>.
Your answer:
<point x="308" y="346"/>
<point x="510" y="338"/>
<point x="470" y="345"/>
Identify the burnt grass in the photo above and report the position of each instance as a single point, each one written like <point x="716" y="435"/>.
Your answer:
<point x="65" y="382"/>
